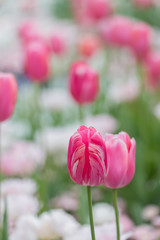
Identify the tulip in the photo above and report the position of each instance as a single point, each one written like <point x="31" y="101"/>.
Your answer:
<point x="99" y="9"/>
<point x="86" y="157"/>
<point x="116" y="30"/>
<point x="83" y="83"/>
<point x="57" y="45"/>
<point x="140" y="42"/>
<point x="8" y="95"/>
<point x="152" y="65"/>
<point x="120" y="160"/>
<point x="37" y="62"/>
<point x="144" y="3"/>
<point x="120" y="165"/>
<point x="88" y="45"/>
<point x="86" y="161"/>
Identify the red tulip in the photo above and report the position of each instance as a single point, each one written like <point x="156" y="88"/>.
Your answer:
<point x="37" y="62"/>
<point x="120" y="160"/>
<point x="8" y="95"/>
<point x="83" y="83"/>
<point x="86" y="157"/>
<point x="141" y="40"/>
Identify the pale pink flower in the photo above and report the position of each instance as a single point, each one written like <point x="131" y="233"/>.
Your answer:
<point x="22" y="159"/>
<point x="150" y="212"/>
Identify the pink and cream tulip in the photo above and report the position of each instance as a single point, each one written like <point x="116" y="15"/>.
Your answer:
<point x="37" y="62"/>
<point x="8" y="95"/>
<point x="86" y="157"/>
<point x="120" y="160"/>
<point x="83" y="83"/>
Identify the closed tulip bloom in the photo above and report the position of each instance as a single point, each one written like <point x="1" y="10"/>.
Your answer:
<point x="37" y="62"/>
<point x="99" y="9"/>
<point x="116" y="30"/>
<point x="140" y="42"/>
<point x="120" y="160"/>
<point x="57" y="44"/>
<point x="86" y="157"/>
<point x="83" y="83"/>
<point x="152" y="65"/>
<point x="8" y="95"/>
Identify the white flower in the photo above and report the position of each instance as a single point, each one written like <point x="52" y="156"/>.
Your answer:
<point x="18" y="186"/>
<point x="19" y="205"/>
<point x="102" y="122"/>
<point x="103" y="212"/>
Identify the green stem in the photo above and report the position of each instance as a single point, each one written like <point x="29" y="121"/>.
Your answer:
<point x="80" y="108"/>
<point x="116" y="212"/>
<point x="90" y="212"/>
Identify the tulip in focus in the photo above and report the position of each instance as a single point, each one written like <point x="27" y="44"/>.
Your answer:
<point x="88" y="45"/>
<point x="152" y="65"/>
<point x="83" y="83"/>
<point x="37" y="62"/>
<point x="120" y="160"/>
<point x="140" y="42"/>
<point x="86" y="157"/>
<point x="116" y="30"/>
<point x="8" y="95"/>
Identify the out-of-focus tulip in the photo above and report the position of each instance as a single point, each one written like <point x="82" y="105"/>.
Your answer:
<point x="37" y="62"/>
<point x="90" y="11"/>
<point x="8" y="95"/>
<point x="88" y="45"/>
<point x="144" y="3"/>
<point x="120" y="160"/>
<point x="86" y="157"/>
<point x="57" y="44"/>
<point x="83" y="83"/>
<point x="99" y="9"/>
<point x="152" y="65"/>
<point x="116" y="30"/>
<point x="140" y="42"/>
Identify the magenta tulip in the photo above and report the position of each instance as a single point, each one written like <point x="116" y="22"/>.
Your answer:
<point x="8" y="95"/>
<point x="120" y="160"/>
<point x="86" y="157"/>
<point x="140" y="42"/>
<point x="83" y="83"/>
<point x="37" y="62"/>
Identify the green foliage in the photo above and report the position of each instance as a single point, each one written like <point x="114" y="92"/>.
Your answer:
<point x="62" y="9"/>
<point x="5" y="224"/>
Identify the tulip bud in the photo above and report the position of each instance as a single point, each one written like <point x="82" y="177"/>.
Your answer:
<point x="140" y="42"/>
<point x="37" y="62"/>
<point x="86" y="157"/>
<point x="57" y="45"/>
<point x="99" y="9"/>
<point x="8" y="95"/>
<point x="120" y="160"/>
<point x="83" y="83"/>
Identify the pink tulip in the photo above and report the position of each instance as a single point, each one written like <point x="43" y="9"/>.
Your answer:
<point x="37" y="62"/>
<point x="152" y="64"/>
<point x="144" y="3"/>
<point x="116" y="30"/>
<point x="140" y="42"/>
<point x="120" y="160"/>
<point x="57" y="44"/>
<point x="8" y="95"/>
<point x="83" y="83"/>
<point x="86" y="157"/>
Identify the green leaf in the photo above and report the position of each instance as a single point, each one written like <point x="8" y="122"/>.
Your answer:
<point x="5" y="223"/>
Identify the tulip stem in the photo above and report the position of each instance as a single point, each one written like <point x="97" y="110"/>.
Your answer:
<point x="116" y="212"/>
<point x="90" y="212"/>
<point x="80" y="114"/>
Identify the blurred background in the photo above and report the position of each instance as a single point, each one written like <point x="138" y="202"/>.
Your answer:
<point x="118" y="39"/>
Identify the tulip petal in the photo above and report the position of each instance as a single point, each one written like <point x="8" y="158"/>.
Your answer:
<point x="117" y="157"/>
